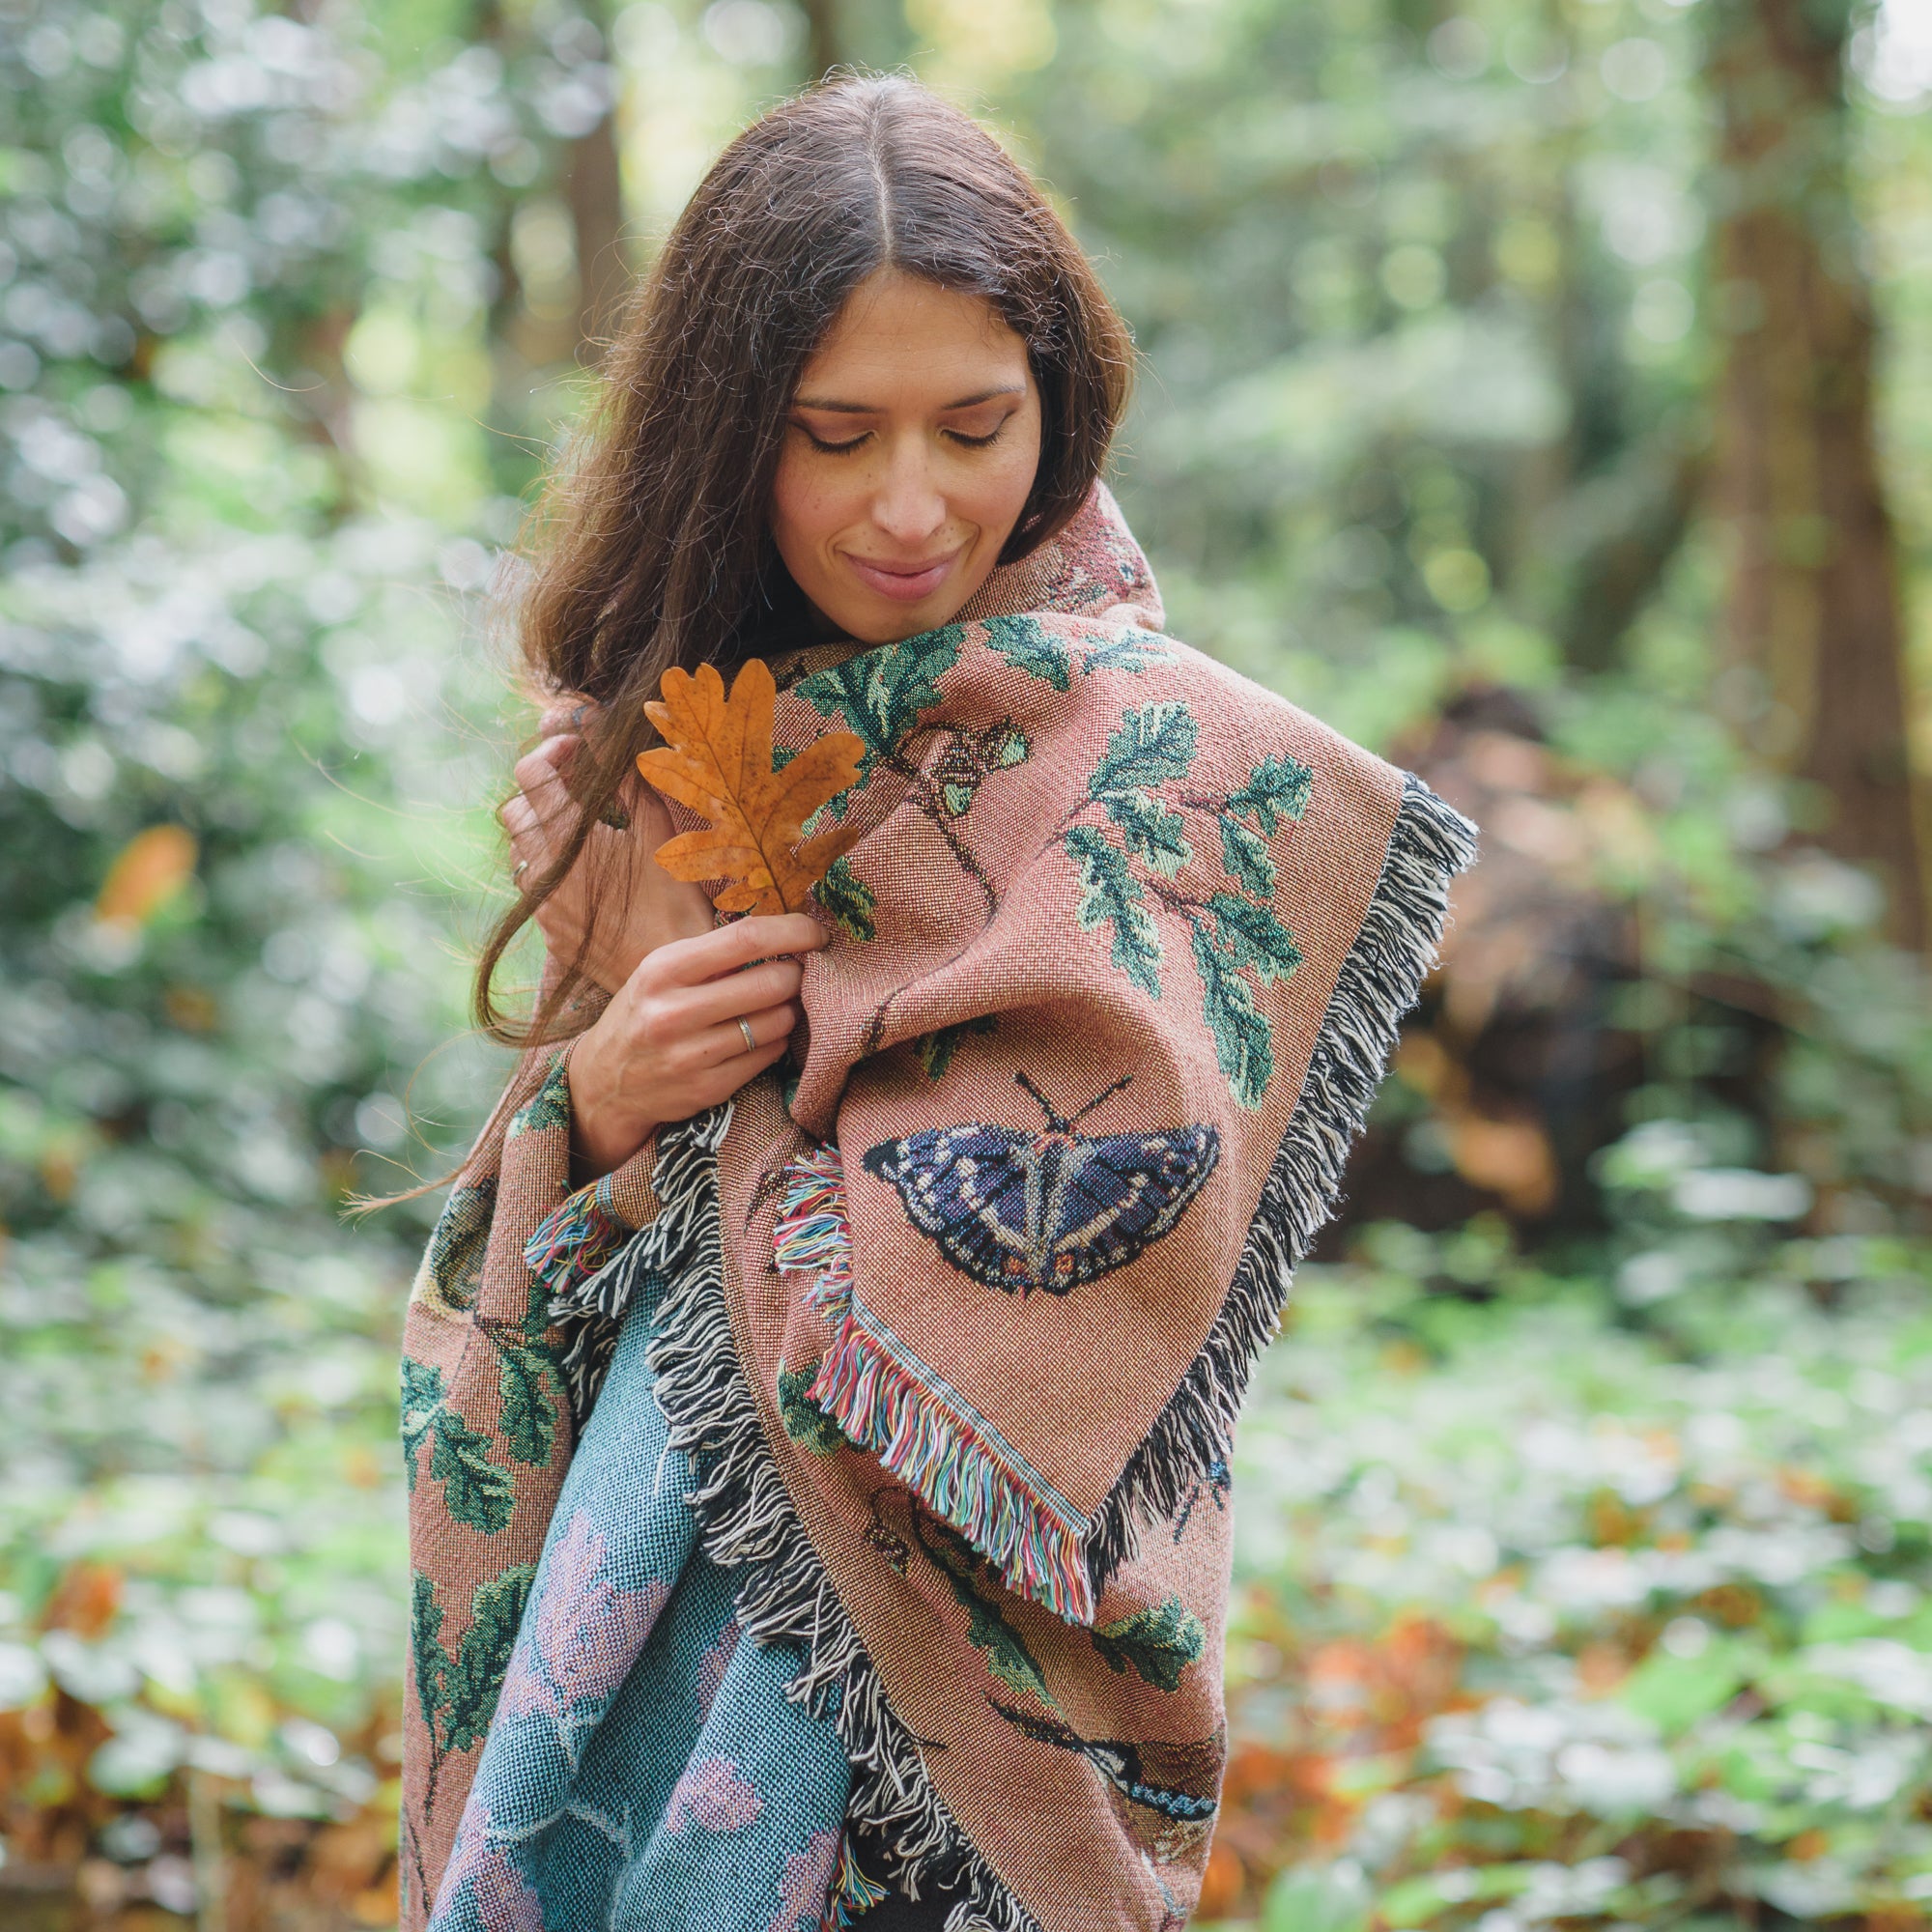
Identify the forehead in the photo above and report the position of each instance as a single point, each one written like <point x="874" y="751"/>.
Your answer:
<point x="910" y="337"/>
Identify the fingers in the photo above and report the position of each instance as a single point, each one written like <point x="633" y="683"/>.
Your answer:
<point x="529" y="849"/>
<point x="720" y="1082"/>
<point x="735" y="995"/>
<point x="689" y="962"/>
<point x="565" y="714"/>
<point x="539" y="776"/>
<point x="771" y="1029"/>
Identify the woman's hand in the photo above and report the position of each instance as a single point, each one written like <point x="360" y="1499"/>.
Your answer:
<point x="669" y="1044"/>
<point x="642" y="905"/>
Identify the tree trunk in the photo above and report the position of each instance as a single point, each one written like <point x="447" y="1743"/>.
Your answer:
<point x="593" y="190"/>
<point x="1813" y="633"/>
<point x="825" y="45"/>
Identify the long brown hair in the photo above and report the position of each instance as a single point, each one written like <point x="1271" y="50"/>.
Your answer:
<point x="654" y="548"/>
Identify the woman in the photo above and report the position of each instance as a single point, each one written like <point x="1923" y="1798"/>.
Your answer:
<point x="818" y="1389"/>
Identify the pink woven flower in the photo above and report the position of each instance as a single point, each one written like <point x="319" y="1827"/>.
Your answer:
<point x="806" y="1883"/>
<point x="713" y="1795"/>
<point x="587" y="1633"/>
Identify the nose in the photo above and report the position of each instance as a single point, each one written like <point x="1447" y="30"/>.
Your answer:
<point x="909" y="507"/>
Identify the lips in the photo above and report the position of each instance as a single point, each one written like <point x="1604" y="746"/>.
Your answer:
<point x="904" y="584"/>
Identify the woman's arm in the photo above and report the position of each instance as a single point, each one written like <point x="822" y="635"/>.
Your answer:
<point x="669" y="1043"/>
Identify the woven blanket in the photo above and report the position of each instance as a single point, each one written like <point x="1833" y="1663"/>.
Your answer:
<point x="948" y="1321"/>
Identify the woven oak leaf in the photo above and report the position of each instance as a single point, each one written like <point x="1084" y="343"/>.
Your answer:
<point x="717" y="759"/>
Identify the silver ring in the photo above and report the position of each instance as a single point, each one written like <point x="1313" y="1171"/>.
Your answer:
<point x="751" y="1039"/>
<point x="518" y="871"/>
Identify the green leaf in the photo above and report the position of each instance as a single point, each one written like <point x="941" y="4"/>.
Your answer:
<point x="1111" y="892"/>
<point x="935" y="1049"/>
<point x="496" y="1610"/>
<point x="1136" y="651"/>
<point x="475" y="1491"/>
<point x="805" y="1422"/>
<point x="547" y="1107"/>
<point x="1275" y="785"/>
<point x="422" y="1404"/>
<point x="528" y="1420"/>
<point x="1245" y="854"/>
<point x="426" y="1651"/>
<point x="1027" y="646"/>
<point x="1674" y="1692"/>
<point x="1158" y="1645"/>
<point x="987" y="1630"/>
<point x="1417" y="1901"/>
<point x="1252" y="936"/>
<point x="847" y="900"/>
<point x="1155" y="743"/>
<point x="1153" y="830"/>
<point x="880" y="693"/>
<point x="1242" y="1043"/>
<point x="1318" y="1899"/>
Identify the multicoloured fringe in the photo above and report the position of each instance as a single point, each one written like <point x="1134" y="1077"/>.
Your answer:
<point x="885" y="1400"/>
<point x="812" y="1233"/>
<point x="853" y="1893"/>
<point x="577" y="1241"/>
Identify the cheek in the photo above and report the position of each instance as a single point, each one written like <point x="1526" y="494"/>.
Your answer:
<point x="1000" y="491"/>
<point x="807" y="506"/>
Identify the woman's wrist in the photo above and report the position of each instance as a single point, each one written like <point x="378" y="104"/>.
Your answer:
<point x="604" y="1132"/>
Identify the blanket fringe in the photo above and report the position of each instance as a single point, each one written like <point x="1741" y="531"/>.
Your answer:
<point x="747" y="1520"/>
<point x="853" y="1893"/>
<point x="588" y="1307"/>
<point x="882" y="1405"/>
<point x="578" y="1239"/>
<point x="747" y="1523"/>
<point x="1380" y="981"/>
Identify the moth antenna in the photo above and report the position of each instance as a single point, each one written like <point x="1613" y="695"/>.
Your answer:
<point x="1104" y="1094"/>
<point x="1053" y="1119"/>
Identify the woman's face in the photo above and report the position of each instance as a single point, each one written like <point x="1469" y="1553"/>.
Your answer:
<point x="909" y="451"/>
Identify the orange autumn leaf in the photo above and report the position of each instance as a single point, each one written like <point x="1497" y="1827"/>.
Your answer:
<point x="146" y="874"/>
<point x="717" y="759"/>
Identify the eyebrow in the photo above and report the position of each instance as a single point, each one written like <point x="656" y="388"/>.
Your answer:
<point x="834" y="408"/>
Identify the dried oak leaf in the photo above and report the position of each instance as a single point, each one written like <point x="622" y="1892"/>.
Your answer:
<point x="717" y="759"/>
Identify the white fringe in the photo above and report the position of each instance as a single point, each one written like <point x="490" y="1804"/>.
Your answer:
<point x="747" y="1522"/>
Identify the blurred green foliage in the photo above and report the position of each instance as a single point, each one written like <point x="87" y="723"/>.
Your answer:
<point x="1583" y="1532"/>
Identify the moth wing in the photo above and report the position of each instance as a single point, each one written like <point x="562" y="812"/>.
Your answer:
<point x="965" y="1188"/>
<point x="1129" y="1190"/>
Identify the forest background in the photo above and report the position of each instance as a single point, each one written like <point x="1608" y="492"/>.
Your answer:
<point x="1540" y="391"/>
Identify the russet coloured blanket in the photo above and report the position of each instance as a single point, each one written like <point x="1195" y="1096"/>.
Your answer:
<point x="909" y="1376"/>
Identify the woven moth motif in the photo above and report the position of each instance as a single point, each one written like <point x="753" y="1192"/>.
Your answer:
<point x="1047" y="1208"/>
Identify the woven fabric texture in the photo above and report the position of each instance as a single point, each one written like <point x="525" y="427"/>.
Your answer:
<point x="954" y="1315"/>
<point x="640" y="1757"/>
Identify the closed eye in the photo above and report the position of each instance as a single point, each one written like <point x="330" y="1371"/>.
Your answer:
<point x="834" y="448"/>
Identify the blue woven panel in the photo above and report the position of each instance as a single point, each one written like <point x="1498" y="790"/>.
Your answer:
<point x="644" y="1769"/>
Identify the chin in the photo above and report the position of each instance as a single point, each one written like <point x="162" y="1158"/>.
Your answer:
<point x="893" y="626"/>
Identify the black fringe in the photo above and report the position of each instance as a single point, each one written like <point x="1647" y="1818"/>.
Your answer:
<point x="747" y="1523"/>
<point x="1380" y="981"/>
<point x="747" y="1520"/>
